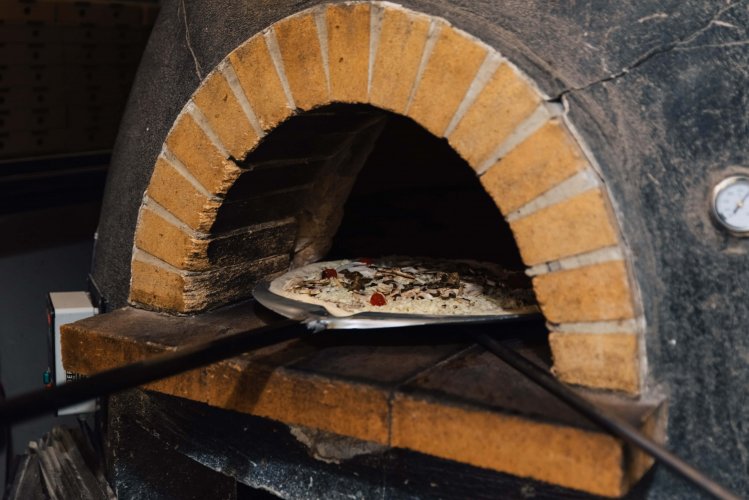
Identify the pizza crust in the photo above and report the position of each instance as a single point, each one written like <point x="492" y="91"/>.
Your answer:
<point x="306" y="284"/>
<point x="316" y="269"/>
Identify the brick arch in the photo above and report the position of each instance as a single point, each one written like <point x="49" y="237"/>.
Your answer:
<point x="524" y="151"/>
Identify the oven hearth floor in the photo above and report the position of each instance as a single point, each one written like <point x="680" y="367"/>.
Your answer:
<point x="427" y="391"/>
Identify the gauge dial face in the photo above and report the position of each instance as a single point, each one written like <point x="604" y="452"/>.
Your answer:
<point x="731" y="204"/>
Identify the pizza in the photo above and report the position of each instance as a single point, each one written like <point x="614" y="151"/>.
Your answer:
<point x="409" y="286"/>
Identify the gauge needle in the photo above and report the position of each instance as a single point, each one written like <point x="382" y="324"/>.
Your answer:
<point x="741" y="203"/>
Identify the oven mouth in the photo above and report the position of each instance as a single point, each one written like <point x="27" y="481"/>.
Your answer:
<point x="254" y="176"/>
<point x="371" y="183"/>
<point x="416" y="196"/>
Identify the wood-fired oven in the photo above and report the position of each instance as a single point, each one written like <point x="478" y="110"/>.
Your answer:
<point x="572" y="141"/>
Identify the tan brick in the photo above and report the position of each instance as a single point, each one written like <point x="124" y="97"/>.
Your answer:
<point x="348" y="51"/>
<point x="654" y="426"/>
<point x="174" y="192"/>
<point x="200" y="156"/>
<point x="107" y="351"/>
<point x="604" y="361"/>
<point x="401" y="45"/>
<point x="302" y="58"/>
<point x="453" y="65"/>
<point x="169" y="243"/>
<point x="156" y="287"/>
<point x="295" y="398"/>
<point x="539" y="163"/>
<point x="255" y="383"/>
<point x="224" y="114"/>
<point x="566" y="456"/>
<point x="503" y="104"/>
<point x="599" y="292"/>
<point x="259" y="79"/>
<point x="342" y="407"/>
<point x="161" y="286"/>
<point x="577" y="225"/>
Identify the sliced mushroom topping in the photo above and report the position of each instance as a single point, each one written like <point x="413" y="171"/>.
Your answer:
<point x="472" y="289"/>
<point x="354" y="280"/>
<point x="389" y="271"/>
<point x="365" y="271"/>
<point x="452" y="279"/>
<point x="410" y="293"/>
<point x="387" y="288"/>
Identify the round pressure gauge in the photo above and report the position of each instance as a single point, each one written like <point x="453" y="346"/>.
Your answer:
<point x="731" y="204"/>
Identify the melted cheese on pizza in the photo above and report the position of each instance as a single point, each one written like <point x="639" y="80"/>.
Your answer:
<point x="410" y="286"/>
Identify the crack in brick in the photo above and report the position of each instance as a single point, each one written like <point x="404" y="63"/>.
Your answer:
<point x="677" y="44"/>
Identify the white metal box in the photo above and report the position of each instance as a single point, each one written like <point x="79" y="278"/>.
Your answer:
<point x="64" y="308"/>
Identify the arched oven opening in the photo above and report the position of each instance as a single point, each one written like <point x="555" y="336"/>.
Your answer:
<point x="378" y="184"/>
<point x="416" y="196"/>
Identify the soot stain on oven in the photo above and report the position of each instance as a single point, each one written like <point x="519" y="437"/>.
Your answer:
<point x="417" y="196"/>
<point x="363" y="182"/>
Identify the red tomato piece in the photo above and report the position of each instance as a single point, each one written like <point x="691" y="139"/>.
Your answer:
<point x="377" y="299"/>
<point x="366" y="260"/>
<point x="329" y="273"/>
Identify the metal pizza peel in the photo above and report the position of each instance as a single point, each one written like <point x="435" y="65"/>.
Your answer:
<point x="318" y="318"/>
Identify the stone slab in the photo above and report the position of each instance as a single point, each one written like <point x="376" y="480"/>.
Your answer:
<point x="361" y="384"/>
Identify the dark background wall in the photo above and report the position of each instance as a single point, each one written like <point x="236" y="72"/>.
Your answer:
<point x="65" y="71"/>
<point x="26" y="279"/>
<point x="657" y="89"/>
